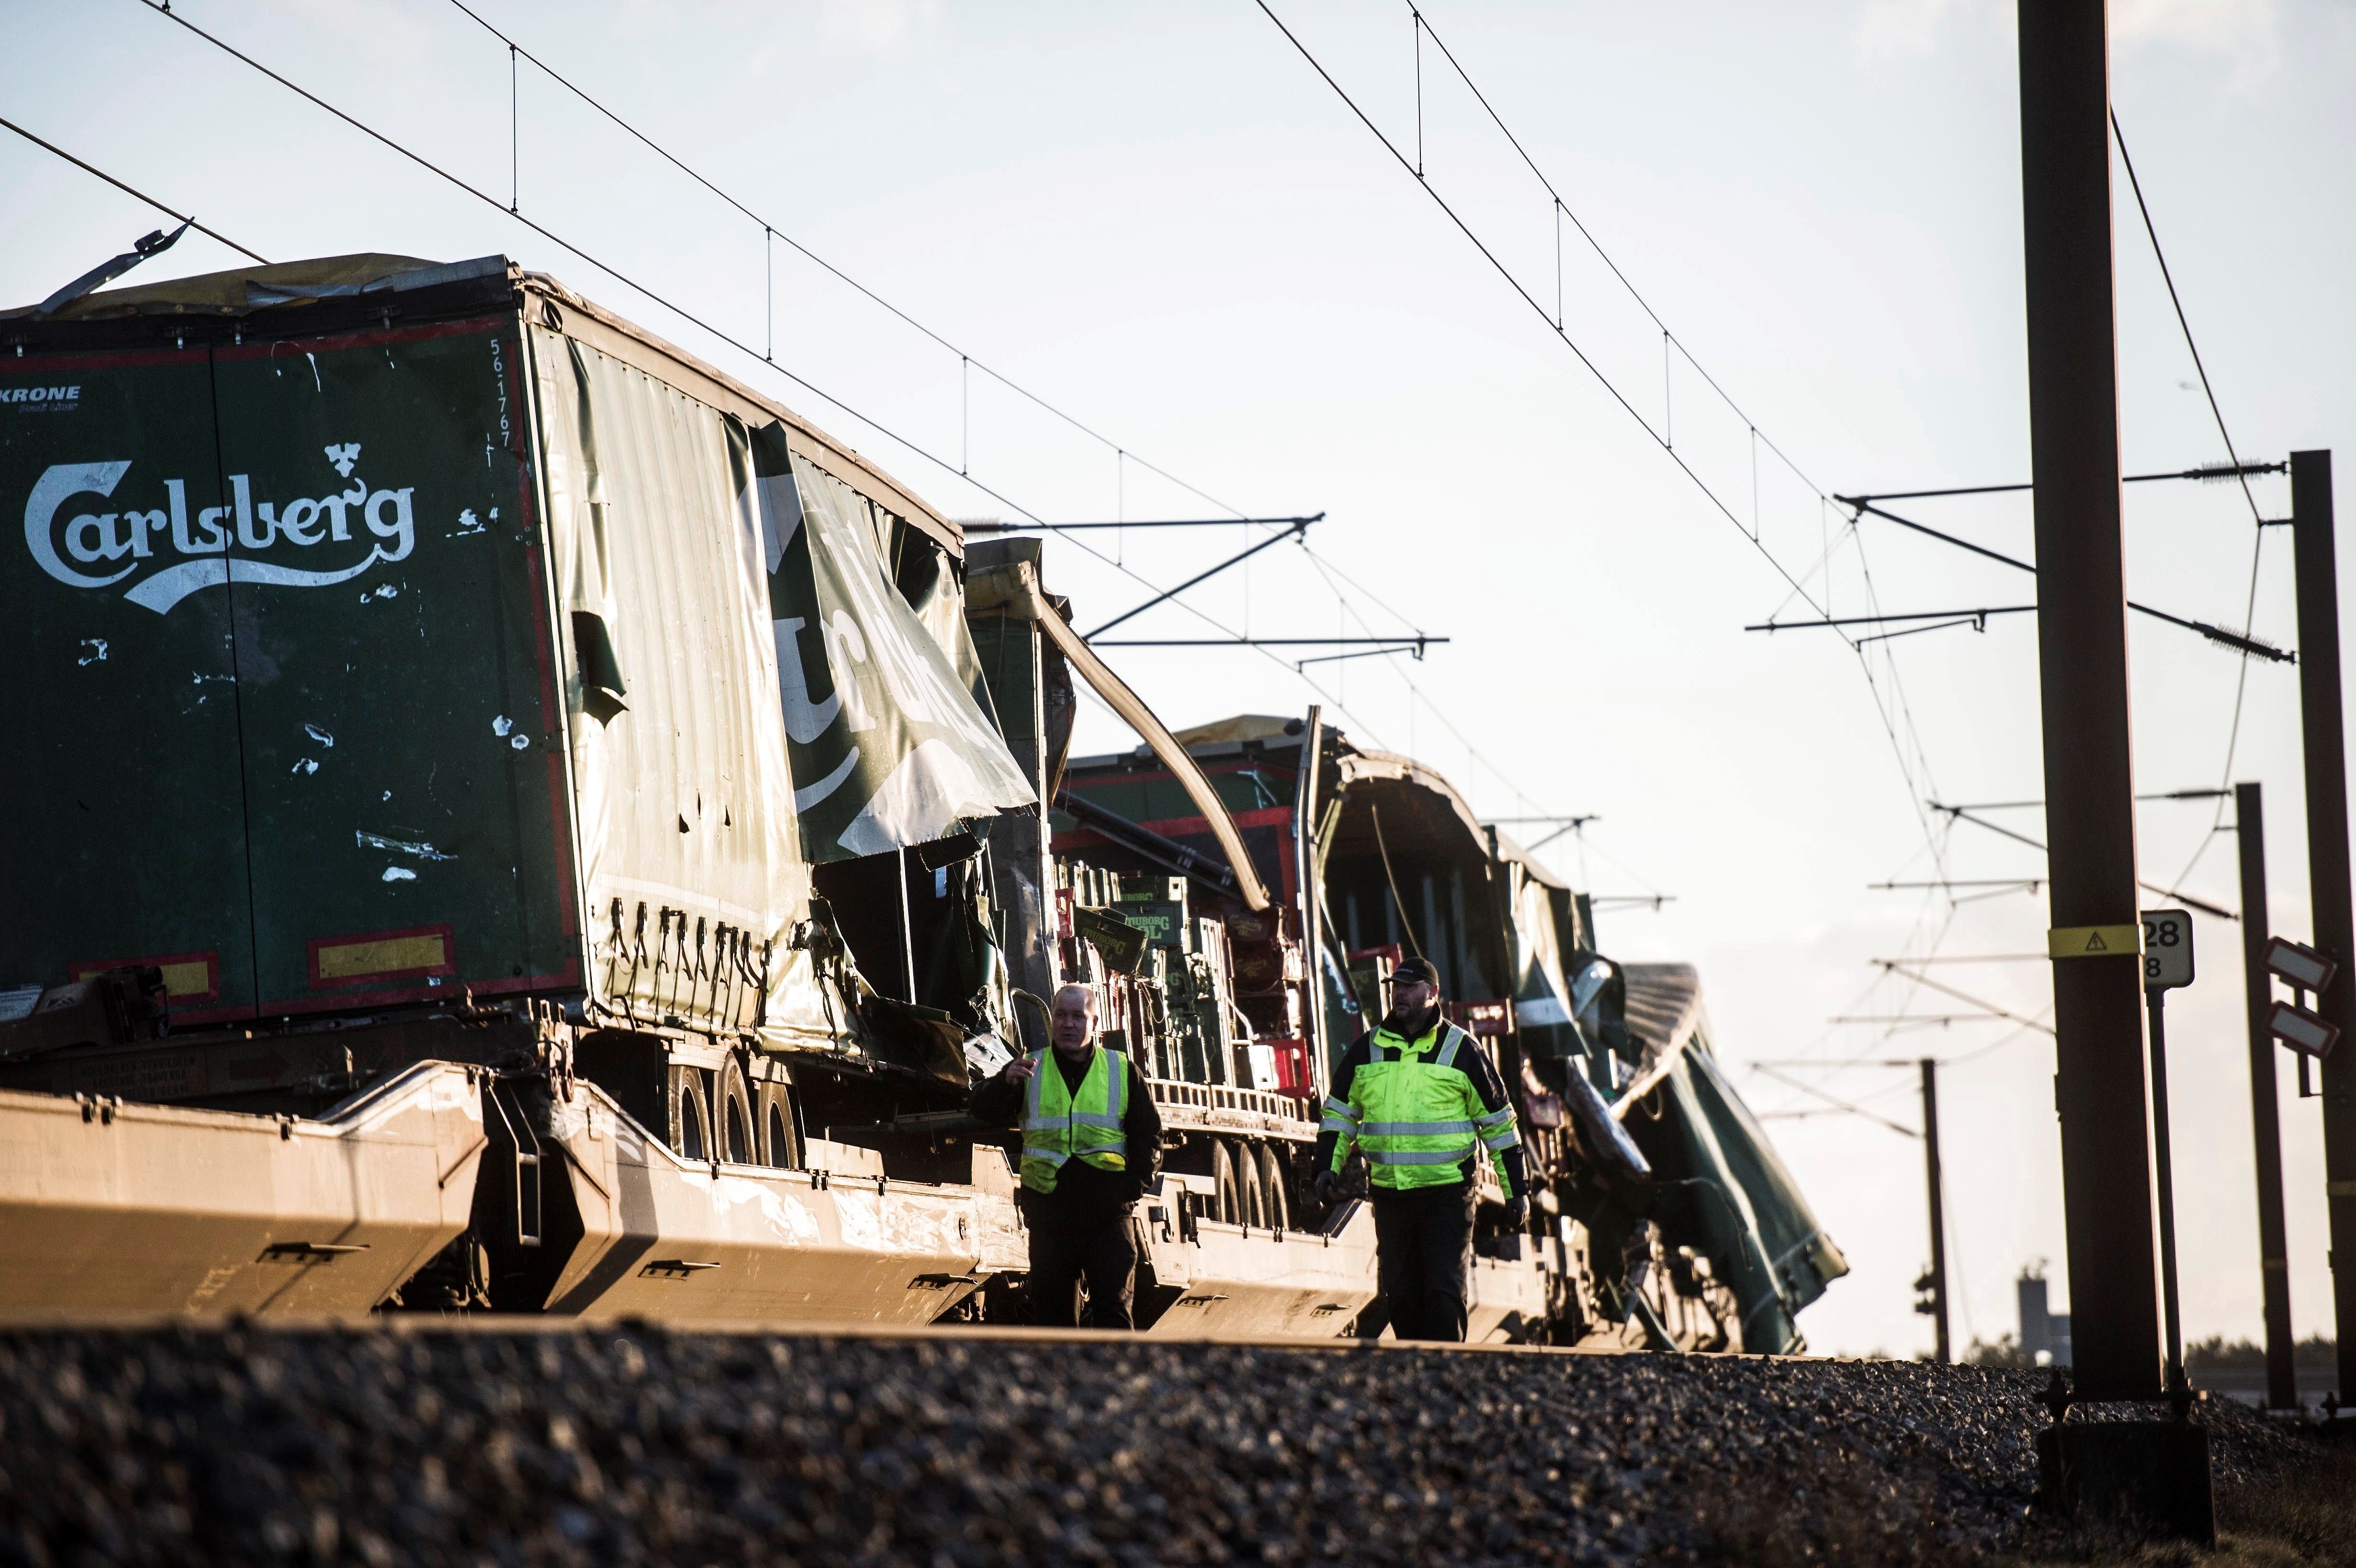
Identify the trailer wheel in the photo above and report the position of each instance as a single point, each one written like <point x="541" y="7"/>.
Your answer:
<point x="1253" y="1212"/>
<point x="690" y="1113"/>
<point x="1271" y="1169"/>
<point x="773" y="1103"/>
<point x="733" y="1119"/>
<point x="1227" y="1195"/>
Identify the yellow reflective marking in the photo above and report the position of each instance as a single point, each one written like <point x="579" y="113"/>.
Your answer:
<point x="2094" y="941"/>
<point x="383" y="956"/>
<point x="190" y="979"/>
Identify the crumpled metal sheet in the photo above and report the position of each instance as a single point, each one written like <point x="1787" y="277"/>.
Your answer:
<point x="1664" y="1009"/>
<point x="243" y="290"/>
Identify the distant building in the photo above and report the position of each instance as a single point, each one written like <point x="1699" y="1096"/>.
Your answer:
<point x="2044" y="1334"/>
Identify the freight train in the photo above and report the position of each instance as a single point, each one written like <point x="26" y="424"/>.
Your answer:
<point x="502" y="816"/>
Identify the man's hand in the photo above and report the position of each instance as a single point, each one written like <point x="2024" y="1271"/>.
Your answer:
<point x="1019" y="1071"/>
<point x="1327" y="1188"/>
<point x="1517" y="1212"/>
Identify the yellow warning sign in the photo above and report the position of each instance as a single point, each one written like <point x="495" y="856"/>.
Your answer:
<point x="2094" y="941"/>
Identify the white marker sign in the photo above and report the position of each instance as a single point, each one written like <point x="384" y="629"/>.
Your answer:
<point x="2167" y="949"/>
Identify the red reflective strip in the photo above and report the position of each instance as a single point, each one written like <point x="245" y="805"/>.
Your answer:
<point x="373" y="339"/>
<point x="42" y="364"/>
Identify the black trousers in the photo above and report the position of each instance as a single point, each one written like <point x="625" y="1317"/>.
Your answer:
<point x="1102" y="1251"/>
<point x="1423" y="1240"/>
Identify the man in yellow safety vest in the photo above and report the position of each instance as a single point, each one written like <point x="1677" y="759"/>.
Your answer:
<point x="1426" y="1104"/>
<point x="1091" y="1146"/>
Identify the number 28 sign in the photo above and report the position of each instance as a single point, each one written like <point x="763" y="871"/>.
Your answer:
<point x="2167" y="949"/>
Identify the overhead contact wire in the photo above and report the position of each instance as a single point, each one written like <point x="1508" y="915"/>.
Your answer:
<point x="1515" y="284"/>
<point x="668" y="156"/>
<point x="688" y="316"/>
<point x="2257" y="518"/>
<point x="140" y="195"/>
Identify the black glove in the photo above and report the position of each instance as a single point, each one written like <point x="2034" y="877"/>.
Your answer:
<point x="1517" y="1212"/>
<point x="1327" y="1187"/>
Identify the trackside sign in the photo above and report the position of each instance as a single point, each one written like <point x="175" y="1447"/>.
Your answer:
<point x="95" y="526"/>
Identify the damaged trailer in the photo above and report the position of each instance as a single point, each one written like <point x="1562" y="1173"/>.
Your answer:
<point x="414" y="672"/>
<point x="1661" y="1216"/>
<point x="529" y="723"/>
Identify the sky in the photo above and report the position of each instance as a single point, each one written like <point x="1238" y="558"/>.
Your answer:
<point x="1222" y="293"/>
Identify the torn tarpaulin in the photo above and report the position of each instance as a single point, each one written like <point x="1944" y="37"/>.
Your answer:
<point x="887" y="746"/>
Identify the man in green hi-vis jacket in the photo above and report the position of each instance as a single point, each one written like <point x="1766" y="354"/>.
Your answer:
<point x="1091" y="1145"/>
<point x="1424" y="1102"/>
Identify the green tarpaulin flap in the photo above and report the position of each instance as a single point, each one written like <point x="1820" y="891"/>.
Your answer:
<point x="888" y="748"/>
<point x="1541" y="997"/>
<point x="1803" y="1258"/>
<point x="1725" y="1215"/>
<point x="1724" y="1183"/>
<point x="1761" y="1233"/>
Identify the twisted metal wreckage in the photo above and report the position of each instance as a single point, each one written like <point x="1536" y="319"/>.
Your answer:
<point x="508" y="817"/>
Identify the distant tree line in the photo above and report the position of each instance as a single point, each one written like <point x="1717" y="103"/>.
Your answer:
<point x="2216" y="1353"/>
<point x="2314" y="1353"/>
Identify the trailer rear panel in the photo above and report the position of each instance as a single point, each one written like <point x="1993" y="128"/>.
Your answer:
<point x="287" y="701"/>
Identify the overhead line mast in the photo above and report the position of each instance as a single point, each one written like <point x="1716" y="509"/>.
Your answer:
<point x="2102" y="1088"/>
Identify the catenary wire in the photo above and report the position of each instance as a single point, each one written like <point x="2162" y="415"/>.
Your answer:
<point x="1515" y="284"/>
<point x="1464" y="228"/>
<point x="1642" y="303"/>
<point x="767" y="228"/>
<point x="142" y="196"/>
<point x="2259" y="544"/>
<point x="650" y="293"/>
<point x="686" y="314"/>
<point x="966" y="360"/>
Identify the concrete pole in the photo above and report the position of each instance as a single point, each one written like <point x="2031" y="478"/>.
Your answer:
<point x="2100" y="1086"/>
<point x="2322" y="728"/>
<point x="2156" y="1007"/>
<point x="2265" y="1112"/>
<point x="1945" y="1352"/>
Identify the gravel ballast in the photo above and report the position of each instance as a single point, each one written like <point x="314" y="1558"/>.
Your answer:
<point x="635" y="1444"/>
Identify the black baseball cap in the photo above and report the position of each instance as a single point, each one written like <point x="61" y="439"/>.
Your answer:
<point x="1416" y="972"/>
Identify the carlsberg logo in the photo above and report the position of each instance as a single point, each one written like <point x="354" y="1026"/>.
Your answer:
<point x="381" y="520"/>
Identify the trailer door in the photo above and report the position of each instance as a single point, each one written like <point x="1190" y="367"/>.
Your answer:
<point x="403" y="764"/>
<point x="122" y="826"/>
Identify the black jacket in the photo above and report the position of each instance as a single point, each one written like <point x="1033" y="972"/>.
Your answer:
<point x="1473" y="1063"/>
<point x="1085" y="1197"/>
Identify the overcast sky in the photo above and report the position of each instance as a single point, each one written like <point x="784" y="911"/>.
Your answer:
<point x="1160" y="220"/>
